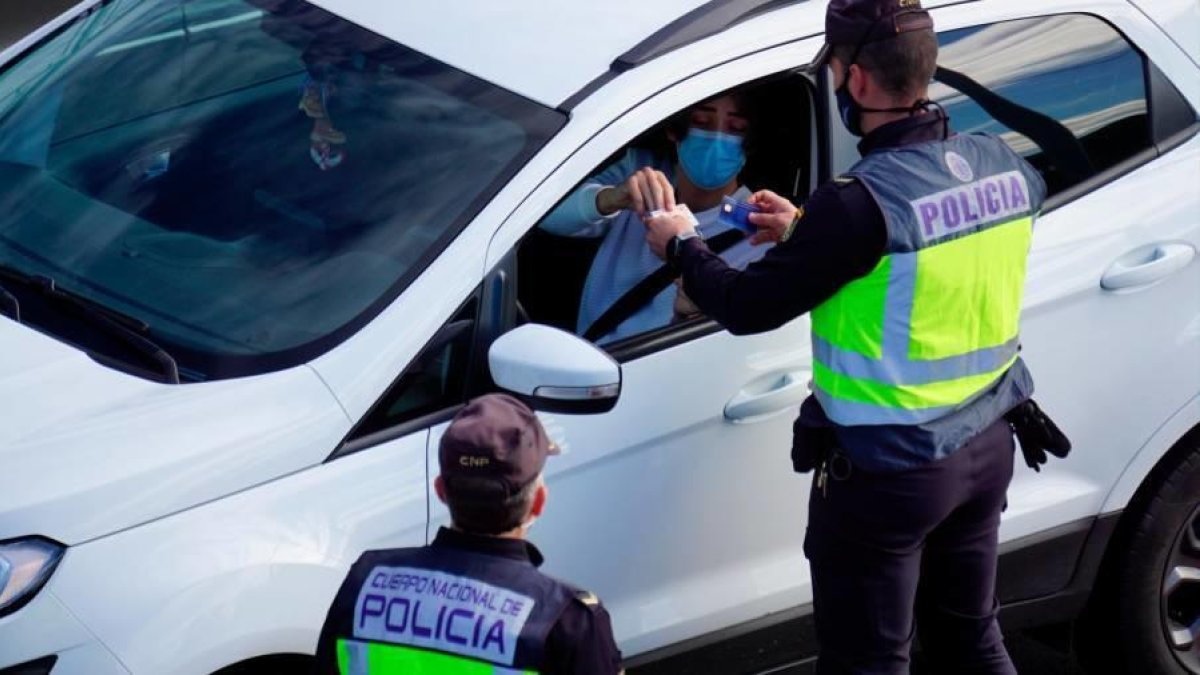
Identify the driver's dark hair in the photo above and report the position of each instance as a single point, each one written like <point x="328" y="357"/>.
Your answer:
<point x="677" y="125"/>
<point x="902" y="65"/>
<point x="478" y="508"/>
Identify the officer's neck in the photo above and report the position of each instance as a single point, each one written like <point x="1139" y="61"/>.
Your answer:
<point x="517" y="534"/>
<point x="873" y="120"/>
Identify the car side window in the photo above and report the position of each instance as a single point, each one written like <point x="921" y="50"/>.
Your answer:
<point x="440" y="379"/>
<point x="593" y="274"/>
<point x="1067" y="92"/>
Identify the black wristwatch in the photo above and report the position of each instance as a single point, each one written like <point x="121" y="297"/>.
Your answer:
<point x="674" y="245"/>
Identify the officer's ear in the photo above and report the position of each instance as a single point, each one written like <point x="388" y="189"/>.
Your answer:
<point x="439" y="486"/>
<point x="539" y="499"/>
<point x="860" y="81"/>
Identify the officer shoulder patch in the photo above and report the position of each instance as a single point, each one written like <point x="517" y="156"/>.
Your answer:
<point x="588" y="599"/>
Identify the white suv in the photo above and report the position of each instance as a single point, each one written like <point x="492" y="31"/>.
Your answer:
<point x="254" y="254"/>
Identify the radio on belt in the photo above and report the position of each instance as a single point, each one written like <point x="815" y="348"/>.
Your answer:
<point x="737" y="214"/>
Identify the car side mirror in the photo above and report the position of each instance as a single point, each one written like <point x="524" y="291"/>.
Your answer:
<point x="555" y="371"/>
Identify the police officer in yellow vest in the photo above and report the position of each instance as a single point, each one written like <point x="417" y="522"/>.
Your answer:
<point x="913" y="266"/>
<point x="473" y="602"/>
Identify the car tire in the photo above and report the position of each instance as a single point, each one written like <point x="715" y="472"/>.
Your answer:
<point x="1149" y="609"/>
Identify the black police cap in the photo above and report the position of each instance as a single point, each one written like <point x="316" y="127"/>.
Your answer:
<point x="858" y="22"/>
<point x="496" y="441"/>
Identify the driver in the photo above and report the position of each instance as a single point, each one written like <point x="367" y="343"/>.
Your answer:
<point x="706" y="154"/>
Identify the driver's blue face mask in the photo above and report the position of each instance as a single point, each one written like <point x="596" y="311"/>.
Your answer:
<point x="710" y="158"/>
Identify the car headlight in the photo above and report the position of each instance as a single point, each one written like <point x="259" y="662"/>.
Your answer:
<point x="25" y="565"/>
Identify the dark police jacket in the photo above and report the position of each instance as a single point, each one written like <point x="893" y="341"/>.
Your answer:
<point x="841" y="236"/>
<point x="462" y="603"/>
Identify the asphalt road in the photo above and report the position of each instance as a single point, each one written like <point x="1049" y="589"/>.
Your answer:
<point x="1042" y="652"/>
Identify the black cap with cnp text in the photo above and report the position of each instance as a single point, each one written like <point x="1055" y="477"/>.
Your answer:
<point x="858" y="22"/>
<point x="494" y="447"/>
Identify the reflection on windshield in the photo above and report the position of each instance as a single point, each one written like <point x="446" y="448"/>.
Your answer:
<point x="249" y="177"/>
<point x="1075" y="68"/>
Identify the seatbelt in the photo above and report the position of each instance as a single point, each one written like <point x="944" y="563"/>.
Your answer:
<point x="647" y="289"/>
<point x="1052" y="136"/>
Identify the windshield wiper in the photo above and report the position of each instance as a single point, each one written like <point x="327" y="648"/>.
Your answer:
<point x="130" y="330"/>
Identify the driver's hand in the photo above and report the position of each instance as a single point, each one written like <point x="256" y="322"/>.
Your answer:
<point x="645" y="191"/>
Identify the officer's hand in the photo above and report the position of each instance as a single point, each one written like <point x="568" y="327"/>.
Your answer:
<point x="664" y="228"/>
<point x="773" y="219"/>
<point x="645" y="191"/>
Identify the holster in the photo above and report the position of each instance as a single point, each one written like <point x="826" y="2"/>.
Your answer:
<point x="1037" y="434"/>
<point x="810" y="446"/>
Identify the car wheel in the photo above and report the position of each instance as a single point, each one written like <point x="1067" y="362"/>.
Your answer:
<point x="1157" y="585"/>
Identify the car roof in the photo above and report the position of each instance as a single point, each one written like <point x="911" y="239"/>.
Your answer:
<point x="545" y="50"/>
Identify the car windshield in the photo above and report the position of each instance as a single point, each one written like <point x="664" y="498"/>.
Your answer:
<point x="253" y="179"/>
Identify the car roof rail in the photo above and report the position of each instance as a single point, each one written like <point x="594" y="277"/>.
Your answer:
<point x="705" y="21"/>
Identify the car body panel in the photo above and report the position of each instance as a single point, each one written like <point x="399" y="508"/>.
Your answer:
<point x="1178" y="18"/>
<point x="45" y="626"/>
<point x="113" y="451"/>
<point x="508" y="43"/>
<point x="251" y="574"/>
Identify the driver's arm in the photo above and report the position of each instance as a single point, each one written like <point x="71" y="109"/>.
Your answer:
<point x="578" y="214"/>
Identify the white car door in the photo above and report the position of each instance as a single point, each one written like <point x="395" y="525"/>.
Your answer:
<point x="1111" y="310"/>
<point x="679" y="507"/>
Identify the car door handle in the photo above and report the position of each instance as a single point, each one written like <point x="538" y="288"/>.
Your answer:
<point x="767" y="396"/>
<point x="1147" y="265"/>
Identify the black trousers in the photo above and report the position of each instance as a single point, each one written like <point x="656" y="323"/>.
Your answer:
<point x="886" y="548"/>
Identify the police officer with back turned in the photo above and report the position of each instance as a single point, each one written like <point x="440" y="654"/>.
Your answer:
<point x="913" y="266"/>
<point x="473" y="601"/>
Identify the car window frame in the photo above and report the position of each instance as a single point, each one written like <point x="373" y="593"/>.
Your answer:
<point x="476" y="382"/>
<point x="1153" y="78"/>
<point x="495" y="314"/>
<point x="669" y="336"/>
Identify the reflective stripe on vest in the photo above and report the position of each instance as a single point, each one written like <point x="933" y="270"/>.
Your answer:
<point x="936" y="322"/>
<point x="357" y="657"/>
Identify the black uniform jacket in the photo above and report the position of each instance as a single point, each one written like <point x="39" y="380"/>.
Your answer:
<point x="580" y="643"/>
